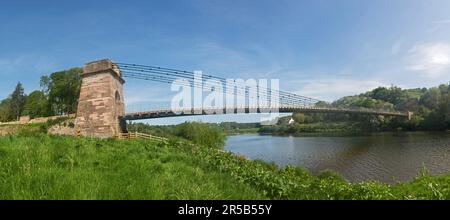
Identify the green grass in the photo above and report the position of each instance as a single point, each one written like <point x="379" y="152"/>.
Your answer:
<point x="41" y="166"/>
<point x="51" y="167"/>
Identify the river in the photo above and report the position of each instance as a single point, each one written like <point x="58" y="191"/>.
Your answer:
<point x="386" y="157"/>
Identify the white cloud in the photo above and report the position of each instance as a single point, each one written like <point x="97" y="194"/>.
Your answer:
<point x="332" y="89"/>
<point x="430" y="59"/>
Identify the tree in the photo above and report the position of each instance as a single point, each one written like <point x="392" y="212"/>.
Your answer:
<point x="45" y="84"/>
<point x="63" y="89"/>
<point x="431" y="98"/>
<point x="18" y="100"/>
<point x="322" y="104"/>
<point x="202" y="134"/>
<point x="299" y="118"/>
<point x="5" y="110"/>
<point x="394" y="95"/>
<point x="444" y="111"/>
<point x="36" y="105"/>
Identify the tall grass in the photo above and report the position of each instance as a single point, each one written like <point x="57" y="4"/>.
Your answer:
<point x="54" y="167"/>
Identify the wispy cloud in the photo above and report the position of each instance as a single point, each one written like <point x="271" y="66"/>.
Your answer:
<point x="438" y="25"/>
<point x="430" y="59"/>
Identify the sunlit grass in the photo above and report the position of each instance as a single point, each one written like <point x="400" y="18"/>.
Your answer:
<point x="51" y="167"/>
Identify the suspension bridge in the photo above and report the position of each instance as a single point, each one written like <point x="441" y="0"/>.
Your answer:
<point x="101" y="107"/>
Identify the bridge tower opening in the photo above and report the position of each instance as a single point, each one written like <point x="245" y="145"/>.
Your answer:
<point x="101" y="104"/>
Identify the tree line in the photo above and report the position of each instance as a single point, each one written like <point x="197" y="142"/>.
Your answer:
<point x="58" y="95"/>
<point x="431" y="108"/>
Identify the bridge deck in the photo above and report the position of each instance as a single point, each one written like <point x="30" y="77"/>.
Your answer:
<point x="284" y="109"/>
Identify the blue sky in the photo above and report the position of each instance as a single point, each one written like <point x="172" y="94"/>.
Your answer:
<point x="323" y="49"/>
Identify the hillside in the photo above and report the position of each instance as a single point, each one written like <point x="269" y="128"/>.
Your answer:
<point x="431" y="108"/>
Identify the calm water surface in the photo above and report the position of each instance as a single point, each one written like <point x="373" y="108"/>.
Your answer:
<point x="386" y="157"/>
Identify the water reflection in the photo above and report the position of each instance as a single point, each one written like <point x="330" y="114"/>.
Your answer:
<point x="388" y="157"/>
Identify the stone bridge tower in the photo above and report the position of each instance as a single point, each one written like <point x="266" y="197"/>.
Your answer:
<point x="101" y="104"/>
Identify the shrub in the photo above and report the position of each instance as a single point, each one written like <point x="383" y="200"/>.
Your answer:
<point x="201" y="134"/>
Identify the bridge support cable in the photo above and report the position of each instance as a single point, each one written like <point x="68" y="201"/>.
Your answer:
<point x="180" y="73"/>
<point x="168" y="78"/>
<point x="283" y="99"/>
<point x="166" y="75"/>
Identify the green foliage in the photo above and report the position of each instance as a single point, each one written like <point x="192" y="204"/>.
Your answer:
<point x="393" y="95"/>
<point x="208" y="135"/>
<point x="322" y="104"/>
<point x="59" y="96"/>
<point x="63" y="90"/>
<point x="161" y="131"/>
<point x="431" y="98"/>
<point x="299" y="118"/>
<point x="6" y="113"/>
<point x="36" y="105"/>
<point x="239" y="128"/>
<point x="202" y="134"/>
<point x="430" y="107"/>
<point x="363" y="102"/>
<point x="56" y="167"/>
<point x="57" y="121"/>
<point x="43" y="127"/>
<point x="12" y="107"/>
<point x="17" y="101"/>
<point x="25" y="130"/>
<point x="320" y="127"/>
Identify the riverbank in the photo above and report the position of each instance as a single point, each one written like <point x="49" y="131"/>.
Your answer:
<point x="42" y="166"/>
<point x="330" y="129"/>
<point x="345" y="134"/>
<point x="388" y="157"/>
<point x="344" y="128"/>
<point x="242" y="131"/>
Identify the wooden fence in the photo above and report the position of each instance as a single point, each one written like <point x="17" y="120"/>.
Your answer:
<point x="137" y="135"/>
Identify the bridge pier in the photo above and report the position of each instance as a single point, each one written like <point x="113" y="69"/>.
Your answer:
<point x="101" y="103"/>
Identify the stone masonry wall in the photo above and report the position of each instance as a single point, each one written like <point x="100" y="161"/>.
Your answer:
<point x="101" y="101"/>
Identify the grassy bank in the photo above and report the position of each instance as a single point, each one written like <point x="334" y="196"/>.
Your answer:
<point x="51" y="167"/>
<point x="40" y="166"/>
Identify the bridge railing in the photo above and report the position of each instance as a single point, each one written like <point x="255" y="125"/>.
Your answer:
<point x="256" y="108"/>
